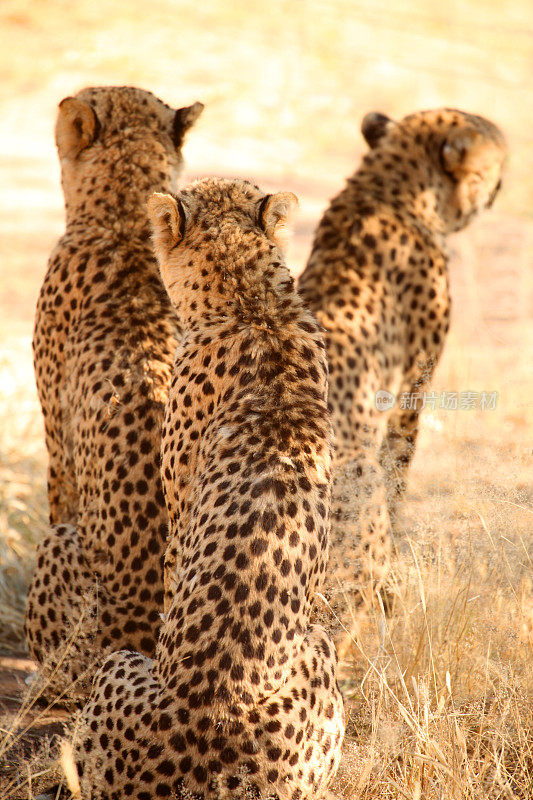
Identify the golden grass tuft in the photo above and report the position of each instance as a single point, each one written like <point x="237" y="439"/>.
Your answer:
<point x="440" y="705"/>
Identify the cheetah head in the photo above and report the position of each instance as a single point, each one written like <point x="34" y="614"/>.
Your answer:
<point x="104" y="132"/>
<point x="218" y="240"/>
<point x="455" y="157"/>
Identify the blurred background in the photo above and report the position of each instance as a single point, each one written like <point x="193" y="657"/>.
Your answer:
<point x="286" y="85"/>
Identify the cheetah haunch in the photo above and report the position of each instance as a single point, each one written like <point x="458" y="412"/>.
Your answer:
<point x="377" y="282"/>
<point x="241" y="699"/>
<point x="105" y="336"/>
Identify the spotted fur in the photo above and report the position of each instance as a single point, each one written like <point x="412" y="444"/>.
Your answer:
<point x="377" y="282"/>
<point x="241" y="699"/>
<point x="105" y="335"/>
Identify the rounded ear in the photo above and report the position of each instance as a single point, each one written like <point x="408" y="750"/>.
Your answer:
<point x="77" y="127"/>
<point x="275" y="213"/>
<point x="374" y="126"/>
<point x="184" y="118"/>
<point x="457" y="148"/>
<point x="168" y="218"/>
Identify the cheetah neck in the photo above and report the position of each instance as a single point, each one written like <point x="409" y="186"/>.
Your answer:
<point x="412" y="195"/>
<point x="227" y="288"/>
<point x="111" y="194"/>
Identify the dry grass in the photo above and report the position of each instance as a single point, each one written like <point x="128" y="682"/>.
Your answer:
<point x="443" y="707"/>
<point x="23" y="505"/>
<point x="439" y="695"/>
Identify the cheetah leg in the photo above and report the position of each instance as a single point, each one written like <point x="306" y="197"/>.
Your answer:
<point x="49" y="376"/>
<point x="62" y="490"/>
<point x="360" y="543"/>
<point x="396" y="454"/>
<point x="135" y="734"/>
<point x="399" y="443"/>
<point x="71" y="621"/>
<point x="59" y="617"/>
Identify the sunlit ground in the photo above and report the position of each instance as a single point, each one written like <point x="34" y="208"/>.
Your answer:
<point x="438" y="705"/>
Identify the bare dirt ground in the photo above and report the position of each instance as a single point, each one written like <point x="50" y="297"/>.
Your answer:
<point x="439" y="699"/>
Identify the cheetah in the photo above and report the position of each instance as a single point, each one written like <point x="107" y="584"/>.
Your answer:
<point x="241" y="699"/>
<point x="377" y="282"/>
<point x="104" y="340"/>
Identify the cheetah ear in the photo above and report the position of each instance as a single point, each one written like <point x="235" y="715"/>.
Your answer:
<point x="275" y="214"/>
<point x="168" y="219"/>
<point x="455" y="151"/>
<point x="77" y="127"/>
<point x="374" y="126"/>
<point x="184" y="118"/>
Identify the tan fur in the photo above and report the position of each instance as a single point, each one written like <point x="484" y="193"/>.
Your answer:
<point x="377" y="282"/>
<point x="105" y="335"/>
<point x="241" y="699"/>
<point x="76" y="127"/>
